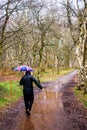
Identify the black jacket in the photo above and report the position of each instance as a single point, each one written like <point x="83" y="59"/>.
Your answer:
<point x="27" y="82"/>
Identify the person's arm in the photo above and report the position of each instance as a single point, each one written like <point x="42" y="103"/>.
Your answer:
<point x="37" y="83"/>
<point x="21" y="81"/>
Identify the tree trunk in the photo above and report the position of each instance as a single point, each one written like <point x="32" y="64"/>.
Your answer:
<point x="81" y="53"/>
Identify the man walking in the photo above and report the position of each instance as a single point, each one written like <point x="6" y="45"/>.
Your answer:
<point x="28" y="93"/>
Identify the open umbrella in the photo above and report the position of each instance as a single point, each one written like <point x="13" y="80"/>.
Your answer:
<point x="23" y="68"/>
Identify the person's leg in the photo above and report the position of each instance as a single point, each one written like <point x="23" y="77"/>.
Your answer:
<point x="31" y="100"/>
<point x="25" y="100"/>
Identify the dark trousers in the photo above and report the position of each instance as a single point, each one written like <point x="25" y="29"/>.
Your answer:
<point x="28" y="100"/>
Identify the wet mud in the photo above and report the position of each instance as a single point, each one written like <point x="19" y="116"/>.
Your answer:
<point x="52" y="109"/>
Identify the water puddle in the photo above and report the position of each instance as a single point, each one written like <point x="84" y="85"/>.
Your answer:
<point x="47" y="101"/>
<point x="44" y="114"/>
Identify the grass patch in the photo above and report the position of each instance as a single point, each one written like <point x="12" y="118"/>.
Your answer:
<point x="9" y="92"/>
<point x="81" y="96"/>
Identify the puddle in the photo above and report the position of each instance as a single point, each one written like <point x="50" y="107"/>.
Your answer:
<point x="44" y="114"/>
<point x="47" y="101"/>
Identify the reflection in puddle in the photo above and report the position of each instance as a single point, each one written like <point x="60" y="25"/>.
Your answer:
<point x="46" y="108"/>
<point x="46" y="101"/>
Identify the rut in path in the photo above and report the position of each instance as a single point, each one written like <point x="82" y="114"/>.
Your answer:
<point x="47" y="113"/>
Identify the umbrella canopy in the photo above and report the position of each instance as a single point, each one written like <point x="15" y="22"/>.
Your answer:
<point x="23" y="68"/>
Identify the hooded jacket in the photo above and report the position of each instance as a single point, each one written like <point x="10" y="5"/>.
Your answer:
<point x="27" y="82"/>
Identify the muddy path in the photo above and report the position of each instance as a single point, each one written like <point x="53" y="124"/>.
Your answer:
<point x="54" y="109"/>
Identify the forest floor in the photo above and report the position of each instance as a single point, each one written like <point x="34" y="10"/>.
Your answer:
<point x="55" y="108"/>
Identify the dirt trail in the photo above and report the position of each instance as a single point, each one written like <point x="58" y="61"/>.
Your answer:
<point x="49" y="110"/>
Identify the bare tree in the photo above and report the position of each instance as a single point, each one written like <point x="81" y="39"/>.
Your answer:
<point x="80" y="41"/>
<point x="7" y="9"/>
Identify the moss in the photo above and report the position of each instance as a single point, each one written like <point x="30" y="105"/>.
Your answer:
<point x="81" y="96"/>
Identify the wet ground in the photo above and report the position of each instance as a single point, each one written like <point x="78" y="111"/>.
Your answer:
<point x="55" y="108"/>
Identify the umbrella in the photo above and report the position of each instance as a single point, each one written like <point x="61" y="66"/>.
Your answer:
<point x="23" y="68"/>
